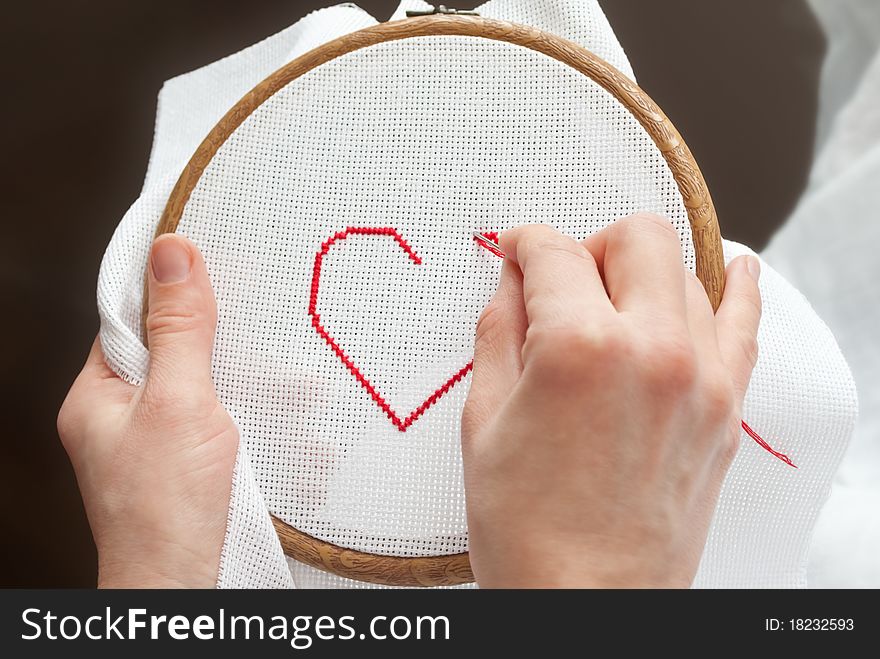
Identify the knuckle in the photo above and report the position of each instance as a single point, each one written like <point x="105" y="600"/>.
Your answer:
<point x="542" y="347"/>
<point x="168" y="320"/>
<point x="525" y="234"/>
<point x="671" y="365"/>
<point x="717" y="394"/>
<point x="650" y="223"/>
<point x="749" y="343"/>
<point x="545" y="239"/>
<point x="612" y="345"/>
<point x="565" y="249"/>
<point x="572" y="352"/>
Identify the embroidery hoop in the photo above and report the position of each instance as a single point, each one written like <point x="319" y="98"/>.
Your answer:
<point x="453" y="569"/>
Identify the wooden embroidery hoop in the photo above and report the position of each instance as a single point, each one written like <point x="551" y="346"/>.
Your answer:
<point x="455" y="568"/>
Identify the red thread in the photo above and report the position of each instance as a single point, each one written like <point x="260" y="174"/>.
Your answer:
<point x="402" y="424"/>
<point x="493" y="236"/>
<point x="760" y="440"/>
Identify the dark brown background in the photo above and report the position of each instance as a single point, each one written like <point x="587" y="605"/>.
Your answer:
<point x="80" y="80"/>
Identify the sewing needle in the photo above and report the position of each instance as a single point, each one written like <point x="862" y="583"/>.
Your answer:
<point x="494" y="247"/>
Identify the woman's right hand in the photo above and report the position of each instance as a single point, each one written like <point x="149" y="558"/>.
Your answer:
<point x="604" y="410"/>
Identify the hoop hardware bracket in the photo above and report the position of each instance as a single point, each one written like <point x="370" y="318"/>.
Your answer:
<point x="440" y="9"/>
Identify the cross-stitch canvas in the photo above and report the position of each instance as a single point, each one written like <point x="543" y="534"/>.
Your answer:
<point x="337" y="225"/>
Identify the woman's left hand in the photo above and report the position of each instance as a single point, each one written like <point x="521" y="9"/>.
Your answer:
<point x="154" y="463"/>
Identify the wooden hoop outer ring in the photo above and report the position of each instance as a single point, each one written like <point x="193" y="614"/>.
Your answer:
<point x="455" y="569"/>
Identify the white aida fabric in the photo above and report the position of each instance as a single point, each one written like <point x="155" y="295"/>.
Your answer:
<point x="336" y="223"/>
<point x="828" y="248"/>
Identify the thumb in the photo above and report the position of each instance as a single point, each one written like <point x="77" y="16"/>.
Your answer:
<point x="181" y="317"/>
<point x="737" y="320"/>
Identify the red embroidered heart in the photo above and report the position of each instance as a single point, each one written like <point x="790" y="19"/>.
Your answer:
<point x="401" y="423"/>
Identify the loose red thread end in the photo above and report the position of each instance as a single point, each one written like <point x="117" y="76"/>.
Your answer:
<point x="764" y="445"/>
<point x="482" y="242"/>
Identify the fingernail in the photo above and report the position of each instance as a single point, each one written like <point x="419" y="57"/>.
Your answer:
<point x="170" y="260"/>
<point x="754" y="267"/>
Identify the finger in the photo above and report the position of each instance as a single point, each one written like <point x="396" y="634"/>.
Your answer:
<point x="700" y="321"/>
<point x="595" y="244"/>
<point x="737" y="320"/>
<point x="501" y="332"/>
<point x="561" y="284"/>
<point x="181" y="318"/>
<point x="643" y="268"/>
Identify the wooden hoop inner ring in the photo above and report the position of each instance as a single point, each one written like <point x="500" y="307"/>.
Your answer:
<point x="455" y="569"/>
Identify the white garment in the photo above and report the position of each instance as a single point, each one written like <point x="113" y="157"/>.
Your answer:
<point x="828" y="248"/>
<point x="381" y="138"/>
